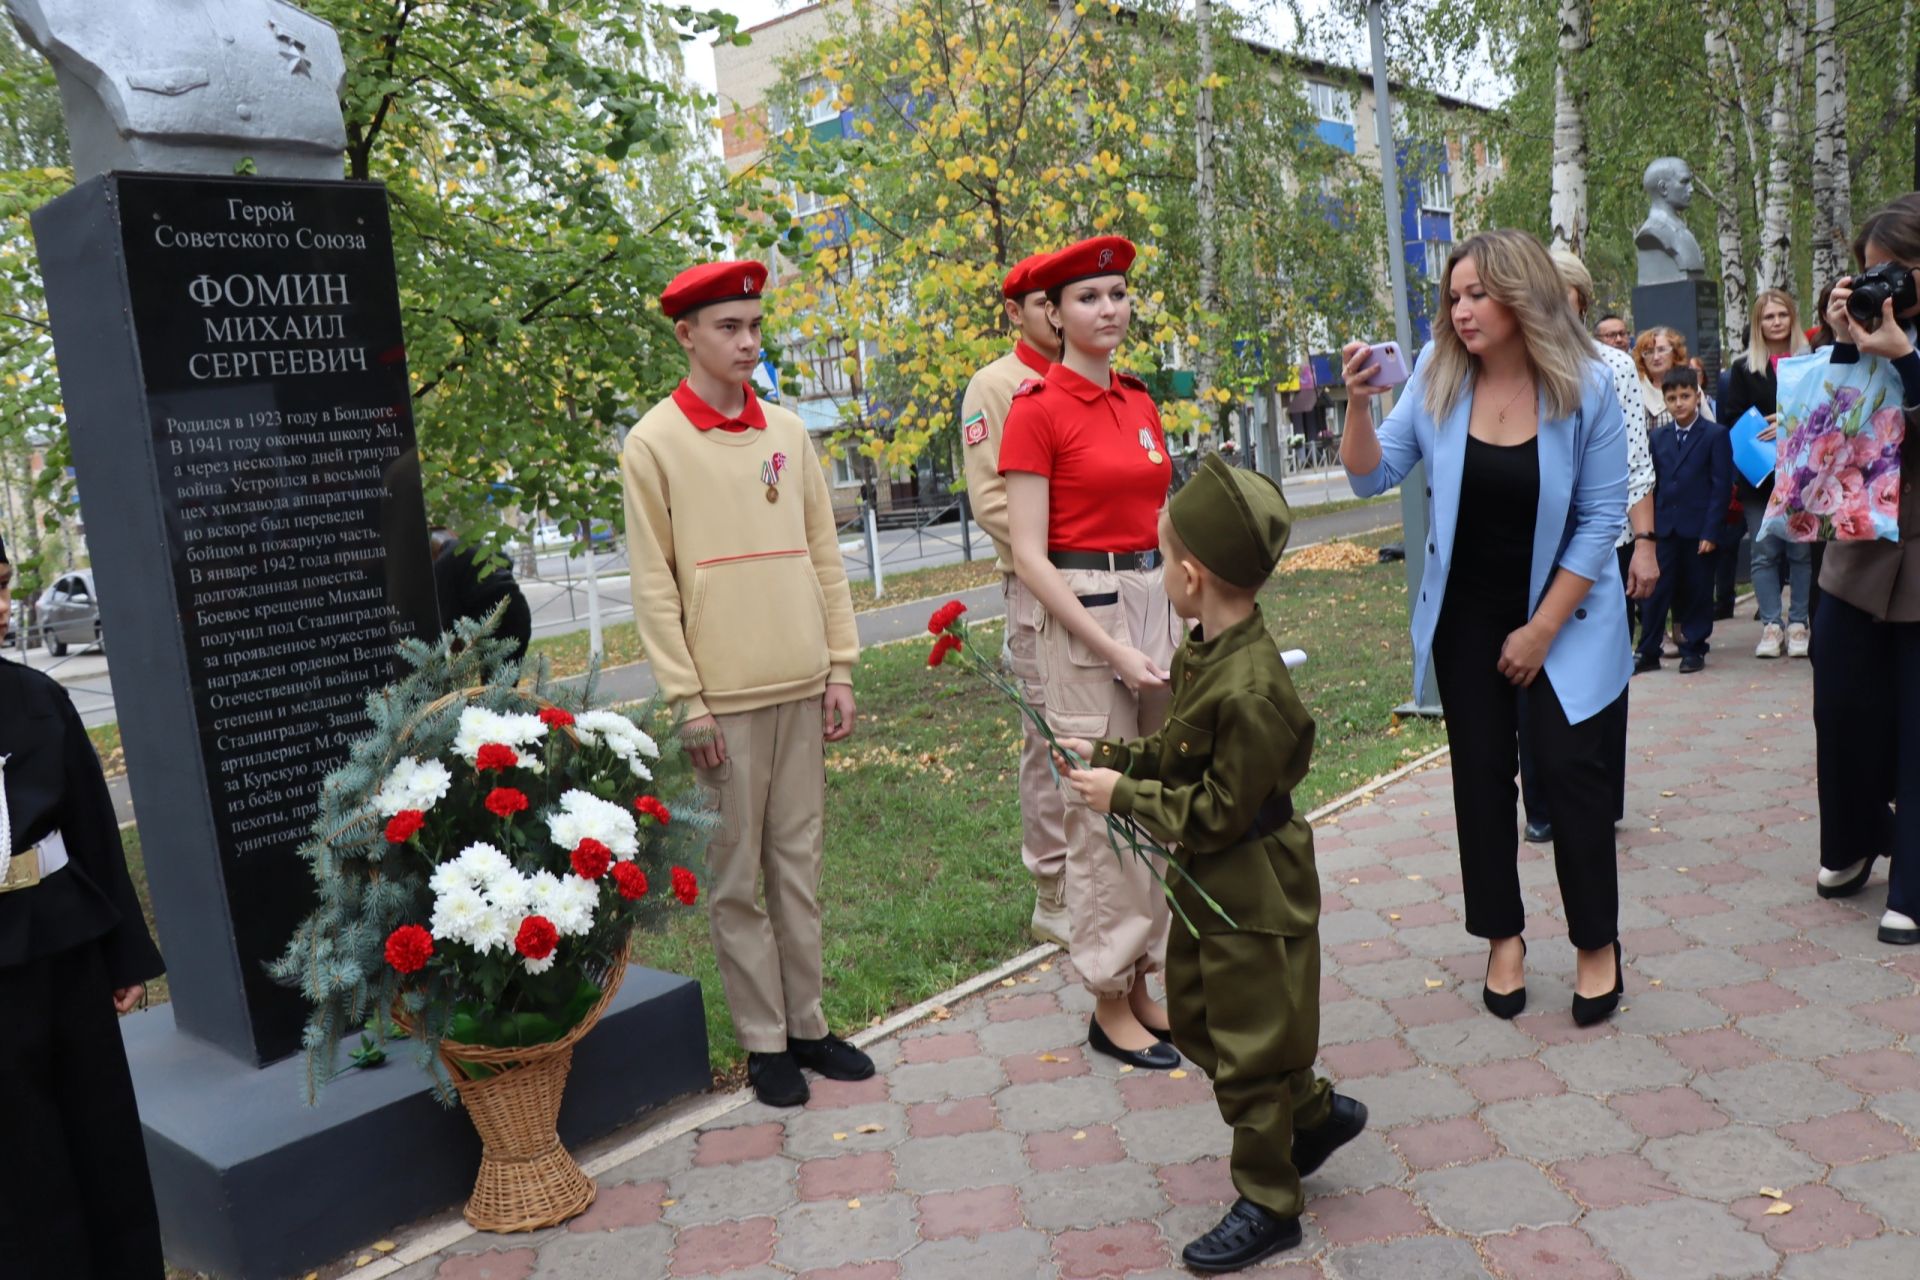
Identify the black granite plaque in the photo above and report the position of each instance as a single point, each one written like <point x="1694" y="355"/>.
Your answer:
<point x="1693" y="308"/>
<point x="270" y="455"/>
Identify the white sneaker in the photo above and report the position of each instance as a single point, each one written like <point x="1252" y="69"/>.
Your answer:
<point x="1797" y="640"/>
<point x="1771" y="640"/>
<point x="1898" y="929"/>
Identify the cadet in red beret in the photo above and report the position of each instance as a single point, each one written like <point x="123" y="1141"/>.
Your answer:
<point x="740" y="597"/>
<point x="983" y="417"/>
<point x="1086" y="466"/>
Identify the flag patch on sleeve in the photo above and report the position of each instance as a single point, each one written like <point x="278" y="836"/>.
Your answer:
<point x="974" y="429"/>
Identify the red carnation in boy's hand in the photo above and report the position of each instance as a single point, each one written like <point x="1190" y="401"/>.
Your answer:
<point x="630" y="880"/>
<point x="945" y="645"/>
<point x="409" y="948"/>
<point x="685" y="887"/>
<point x="556" y="717"/>
<point x="504" y="802"/>
<point x="651" y="807"/>
<point x="402" y="826"/>
<point x="495" y="755"/>
<point x="945" y="616"/>
<point x="591" y="859"/>
<point x="537" y="938"/>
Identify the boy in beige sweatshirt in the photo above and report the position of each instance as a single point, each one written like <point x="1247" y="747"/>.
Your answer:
<point x="741" y="601"/>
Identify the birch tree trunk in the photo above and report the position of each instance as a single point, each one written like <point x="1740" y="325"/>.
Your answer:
<point x="1832" y="183"/>
<point x="1726" y="158"/>
<point x="1568" y="207"/>
<point x="1206" y="361"/>
<point x="1743" y="100"/>
<point x="1776" y="221"/>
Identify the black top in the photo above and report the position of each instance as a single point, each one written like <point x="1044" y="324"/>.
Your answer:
<point x="1493" y="544"/>
<point x="54" y="782"/>
<point x="1749" y="390"/>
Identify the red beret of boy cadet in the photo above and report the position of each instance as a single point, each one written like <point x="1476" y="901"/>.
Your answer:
<point x="1019" y="281"/>
<point x="712" y="282"/>
<point x="1100" y="256"/>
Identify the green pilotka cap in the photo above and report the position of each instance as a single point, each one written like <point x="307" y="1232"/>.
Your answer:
<point x="1234" y="521"/>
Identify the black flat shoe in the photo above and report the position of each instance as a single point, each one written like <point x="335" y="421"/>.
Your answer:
<point x="1848" y="887"/>
<point x="1504" y="1004"/>
<point x="1345" y="1121"/>
<point x="1157" y="1057"/>
<point x="831" y="1056"/>
<point x="776" y="1079"/>
<point x="1539" y="833"/>
<point x="1691" y="664"/>
<point x="1588" y="1010"/>
<point x="1646" y="662"/>
<point x="1247" y="1234"/>
<point x="1163" y="1034"/>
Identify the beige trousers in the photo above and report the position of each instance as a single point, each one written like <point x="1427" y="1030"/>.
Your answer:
<point x="771" y="791"/>
<point x="1116" y="910"/>
<point x="1043" y="809"/>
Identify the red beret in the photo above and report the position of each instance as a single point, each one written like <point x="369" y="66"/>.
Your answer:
<point x="712" y="282"/>
<point x="1019" y="281"/>
<point x="1100" y="256"/>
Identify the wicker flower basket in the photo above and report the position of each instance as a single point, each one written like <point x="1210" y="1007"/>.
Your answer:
<point x="527" y="1179"/>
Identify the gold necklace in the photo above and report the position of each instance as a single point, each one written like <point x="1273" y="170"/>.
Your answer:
<point x="1501" y="413"/>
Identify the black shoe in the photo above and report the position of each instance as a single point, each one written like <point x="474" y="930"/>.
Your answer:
<point x="1156" y="1057"/>
<point x="1345" y="1119"/>
<point x="776" y="1079"/>
<point x="1646" y="662"/>
<point x="1588" y="1010"/>
<point x="1539" y="833"/>
<point x="831" y="1056"/>
<point x="1163" y="1034"/>
<point x="1847" y="888"/>
<point x="1247" y="1234"/>
<point x="1504" y="1004"/>
<point x="1691" y="663"/>
<point x="1722" y="612"/>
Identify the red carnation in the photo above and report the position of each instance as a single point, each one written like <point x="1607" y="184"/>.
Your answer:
<point x="409" y="948"/>
<point x="556" y="717"/>
<point x="651" y="807"/>
<point x="630" y="880"/>
<point x="402" y="826"/>
<point x="945" y="616"/>
<point x="495" y="755"/>
<point x="685" y="887"/>
<point x="590" y="859"/>
<point x="504" y="802"/>
<point x="945" y="645"/>
<point x="537" y="938"/>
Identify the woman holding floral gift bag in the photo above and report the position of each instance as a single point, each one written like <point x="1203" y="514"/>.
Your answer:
<point x="1866" y="634"/>
<point x="1087" y="473"/>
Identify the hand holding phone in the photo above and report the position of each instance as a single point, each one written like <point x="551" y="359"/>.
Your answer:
<point x="1389" y="365"/>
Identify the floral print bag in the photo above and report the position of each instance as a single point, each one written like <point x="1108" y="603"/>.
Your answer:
<point x="1837" y="472"/>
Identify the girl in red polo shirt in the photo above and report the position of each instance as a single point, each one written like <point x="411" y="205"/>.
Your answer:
<point x="1087" y="473"/>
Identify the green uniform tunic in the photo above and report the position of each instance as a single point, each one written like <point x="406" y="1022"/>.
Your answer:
<point x="1244" y="999"/>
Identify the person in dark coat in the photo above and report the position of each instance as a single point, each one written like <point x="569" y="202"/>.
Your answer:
<point x="74" y="953"/>
<point x="466" y="588"/>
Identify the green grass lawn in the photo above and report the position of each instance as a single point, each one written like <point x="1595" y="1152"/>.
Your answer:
<point x="924" y="885"/>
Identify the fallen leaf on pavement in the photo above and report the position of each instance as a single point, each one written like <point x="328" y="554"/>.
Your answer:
<point x="1433" y="983"/>
<point x="1177" y="1073"/>
<point x="871" y="1128"/>
<point x="1777" y="1208"/>
<point x="1772" y="1193"/>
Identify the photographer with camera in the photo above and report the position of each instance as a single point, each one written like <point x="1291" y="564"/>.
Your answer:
<point x="1866" y="634"/>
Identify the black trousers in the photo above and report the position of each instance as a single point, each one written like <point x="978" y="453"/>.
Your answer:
<point x="1533" y="797"/>
<point x="81" y="1206"/>
<point x="1726" y="564"/>
<point x="1866" y="721"/>
<point x="1685" y="587"/>
<point x="1575" y="765"/>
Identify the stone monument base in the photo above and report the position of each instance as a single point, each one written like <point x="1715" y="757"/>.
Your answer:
<point x="1690" y="306"/>
<point x="254" y="1184"/>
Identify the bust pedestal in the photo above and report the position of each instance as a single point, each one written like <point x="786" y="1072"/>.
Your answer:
<point x="1692" y="307"/>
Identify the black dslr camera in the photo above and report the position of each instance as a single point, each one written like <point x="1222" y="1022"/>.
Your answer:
<point x="1874" y="286"/>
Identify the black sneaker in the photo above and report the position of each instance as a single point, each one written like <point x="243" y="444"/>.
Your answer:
<point x="776" y="1079"/>
<point x="1345" y="1119"/>
<point x="1247" y="1234"/>
<point x="831" y="1056"/>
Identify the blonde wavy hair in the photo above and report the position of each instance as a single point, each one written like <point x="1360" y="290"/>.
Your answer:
<point x="1757" y="353"/>
<point x="1517" y="273"/>
<point x="1644" y="343"/>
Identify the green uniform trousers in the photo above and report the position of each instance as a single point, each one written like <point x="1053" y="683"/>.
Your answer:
<point x="1245" y="1009"/>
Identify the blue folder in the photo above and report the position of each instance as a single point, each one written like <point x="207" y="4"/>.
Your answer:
<point x="1752" y="456"/>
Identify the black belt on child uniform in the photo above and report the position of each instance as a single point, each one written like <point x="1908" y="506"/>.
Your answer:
<point x="1105" y="561"/>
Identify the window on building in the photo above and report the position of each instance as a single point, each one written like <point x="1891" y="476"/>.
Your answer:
<point x="844" y="472"/>
<point x="827" y="370"/>
<point x="819" y="100"/>
<point x="1436" y="188"/>
<point x="805" y="202"/>
<point x="1330" y="102"/>
<point x="1434" y="255"/>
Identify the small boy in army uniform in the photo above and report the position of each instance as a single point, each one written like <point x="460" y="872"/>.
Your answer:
<point x="1215" y="786"/>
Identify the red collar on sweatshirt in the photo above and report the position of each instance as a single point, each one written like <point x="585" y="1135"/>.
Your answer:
<point x="705" y="417"/>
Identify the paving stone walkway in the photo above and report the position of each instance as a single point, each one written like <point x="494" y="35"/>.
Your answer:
<point x="1767" y="1041"/>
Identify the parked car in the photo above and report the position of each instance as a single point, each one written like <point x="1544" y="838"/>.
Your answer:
<point x="547" y="536"/>
<point x="68" y="613"/>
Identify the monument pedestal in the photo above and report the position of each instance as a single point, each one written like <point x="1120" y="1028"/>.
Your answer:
<point x="1690" y="306"/>
<point x="253" y="1183"/>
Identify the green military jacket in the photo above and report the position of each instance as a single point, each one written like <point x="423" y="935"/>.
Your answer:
<point x="1236" y="736"/>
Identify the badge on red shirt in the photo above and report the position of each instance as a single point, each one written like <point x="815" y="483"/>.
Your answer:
<point x="974" y="429"/>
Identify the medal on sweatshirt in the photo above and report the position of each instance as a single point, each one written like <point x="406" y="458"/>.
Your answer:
<point x="1147" y="443"/>
<point x="770" y="475"/>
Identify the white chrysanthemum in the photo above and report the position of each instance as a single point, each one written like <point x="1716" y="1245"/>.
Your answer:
<point x="457" y="913"/>
<point x="511" y="894"/>
<point x="413" y="784"/>
<point x="479" y="726"/>
<point x="449" y="876"/>
<point x="569" y="903"/>
<point x="484" y="864"/>
<point x="541" y="966"/>
<point x="493" y="930"/>
<point x="582" y="816"/>
<point x="622" y="736"/>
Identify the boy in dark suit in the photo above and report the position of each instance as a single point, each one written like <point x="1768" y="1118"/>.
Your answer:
<point x="1693" y="476"/>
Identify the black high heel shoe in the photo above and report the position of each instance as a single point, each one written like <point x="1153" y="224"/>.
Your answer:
<point x="1505" y="1004"/>
<point x="1588" y="1010"/>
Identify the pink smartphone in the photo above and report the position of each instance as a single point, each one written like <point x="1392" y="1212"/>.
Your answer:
<point x="1389" y="368"/>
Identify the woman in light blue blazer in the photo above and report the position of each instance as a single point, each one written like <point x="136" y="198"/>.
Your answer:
<point x="1526" y="493"/>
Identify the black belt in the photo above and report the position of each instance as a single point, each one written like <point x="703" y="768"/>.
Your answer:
<point x="1107" y="561"/>
<point x="1275" y="813"/>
